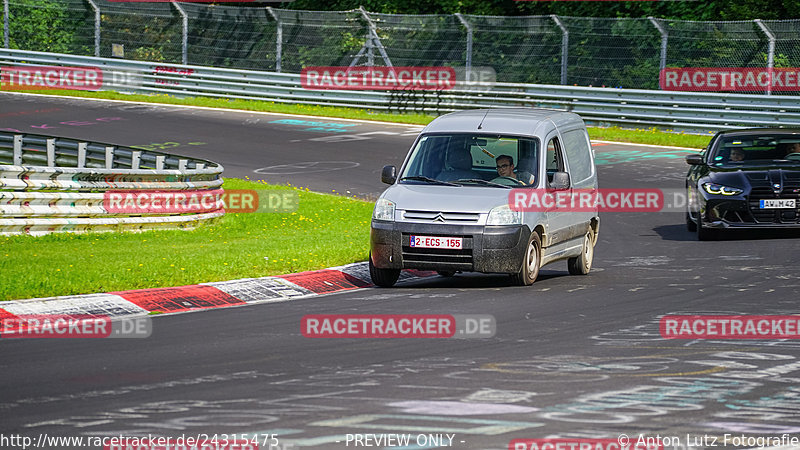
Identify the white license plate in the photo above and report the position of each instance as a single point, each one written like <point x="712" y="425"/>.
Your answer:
<point x="437" y="242"/>
<point x="778" y="203"/>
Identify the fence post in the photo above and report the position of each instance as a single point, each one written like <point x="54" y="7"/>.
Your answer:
<point x="5" y="24"/>
<point x="96" y="27"/>
<point x="469" y="45"/>
<point x="278" y="39"/>
<point x="564" y="47"/>
<point x="185" y="33"/>
<point x="372" y="41"/>
<point x="664" y="39"/>
<point x="771" y="55"/>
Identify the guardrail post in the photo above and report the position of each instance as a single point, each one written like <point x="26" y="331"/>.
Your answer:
<point x="278" y="39"/>
<point x="564" y="47"/>
<point x="468" y="62"/>
<point x="82" y="154"/>
<point x="109" y="157"/>
<point x="664" y="39"/>
<point x="182" y="164"/>
<point x="160" y="162"/>
<point x="5" y="24"/>
<point x="17" y="157"/>
<point x="51" y="152"/>
<point x="771" y="55"/>
<point x="184" y="34"/>
<point x="96" y="27"/>
<point x="136" y="158"/>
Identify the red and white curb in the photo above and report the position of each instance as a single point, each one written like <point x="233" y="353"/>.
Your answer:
<point x="203" y="296"/>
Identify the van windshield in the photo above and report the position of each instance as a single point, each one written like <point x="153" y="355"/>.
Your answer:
<point x="473" y="159"/>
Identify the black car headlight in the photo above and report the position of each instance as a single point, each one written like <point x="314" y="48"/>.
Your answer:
<point x="718" y="189"/>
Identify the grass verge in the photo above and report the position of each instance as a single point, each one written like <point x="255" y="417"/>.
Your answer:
<point x="326" y="230"/>
<point x="650" y="136"/>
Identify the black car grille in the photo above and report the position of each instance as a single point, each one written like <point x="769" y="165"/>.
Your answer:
<point x="432" y="255"/>
<point x="761" y="189"/>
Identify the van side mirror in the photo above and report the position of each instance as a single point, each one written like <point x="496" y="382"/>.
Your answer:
<point x="389" y="174"/>
<point x="694" y="160"/>
<point x="560" y="181"/>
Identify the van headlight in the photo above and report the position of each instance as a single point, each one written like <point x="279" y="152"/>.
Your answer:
<point x="384" y="210"/>
<point x="503" y="215"/>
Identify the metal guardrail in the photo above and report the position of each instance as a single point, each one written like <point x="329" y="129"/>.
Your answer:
<point x="78" y="174"/>
<point x="685" y="111"/>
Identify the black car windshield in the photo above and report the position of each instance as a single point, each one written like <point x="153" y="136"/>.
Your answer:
<point x="756" y="150"/>
<point x="473" y="160"/>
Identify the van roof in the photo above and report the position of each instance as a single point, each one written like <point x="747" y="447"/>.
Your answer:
<point x="519" y="121"/>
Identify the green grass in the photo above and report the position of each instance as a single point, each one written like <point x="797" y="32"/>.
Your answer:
<point x="326" y="230"/>
<point x="650" y="136"/>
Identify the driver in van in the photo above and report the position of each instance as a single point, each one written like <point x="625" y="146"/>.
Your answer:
<point x="505" y="168"/>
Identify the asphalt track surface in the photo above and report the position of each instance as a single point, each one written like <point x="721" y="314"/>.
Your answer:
<point x="572" y="356"/>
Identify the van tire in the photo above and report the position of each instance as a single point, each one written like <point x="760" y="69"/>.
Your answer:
<point x="382" y="277"/>
<point x="531" y="261"/>
<point x="581" y="265"/>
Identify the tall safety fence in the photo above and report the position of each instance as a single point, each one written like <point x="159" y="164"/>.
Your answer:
<point x="582" y="51"/>
<point x="51" y="184"/>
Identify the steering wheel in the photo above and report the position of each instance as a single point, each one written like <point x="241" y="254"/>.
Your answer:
<point x="505" y="181"/>
<point x="792" y="156"/>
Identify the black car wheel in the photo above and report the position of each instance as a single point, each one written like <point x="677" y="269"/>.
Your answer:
<point x="383" y="277"/>
<point x="703" y="234"/>
<point x="691" y="225"/>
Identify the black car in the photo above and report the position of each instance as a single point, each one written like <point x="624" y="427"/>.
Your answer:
<point x="745" y="179"/>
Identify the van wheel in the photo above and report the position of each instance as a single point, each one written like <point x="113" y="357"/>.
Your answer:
<point x="382" y="277"/>
<point x="581" y="265"/>
<point x="530" y="262"/>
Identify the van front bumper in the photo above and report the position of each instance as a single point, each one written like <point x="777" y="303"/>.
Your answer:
<point x="488" y="249"/>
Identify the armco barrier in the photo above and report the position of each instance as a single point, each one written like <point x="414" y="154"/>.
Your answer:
<point x="686" y="111"/>
<point x="76" y="174"/>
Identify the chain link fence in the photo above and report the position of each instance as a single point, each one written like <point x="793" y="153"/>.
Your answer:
<point x="582" y="51"/>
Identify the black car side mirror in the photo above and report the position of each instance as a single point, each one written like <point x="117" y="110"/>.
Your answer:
<point x="389" y="174"/>
<point x="694" y="160"/>
<point x="560" y="181"/>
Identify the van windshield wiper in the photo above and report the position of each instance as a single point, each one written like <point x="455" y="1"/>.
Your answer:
<point x="428" y="180"/>
<point x="483" y="182"/>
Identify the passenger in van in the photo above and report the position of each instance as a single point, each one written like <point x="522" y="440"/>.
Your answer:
<point x="505" y="168"/>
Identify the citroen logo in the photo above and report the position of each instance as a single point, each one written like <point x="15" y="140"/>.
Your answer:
<point x="438" y="218"/>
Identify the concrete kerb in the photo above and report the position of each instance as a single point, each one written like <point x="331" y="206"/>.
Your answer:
<point x="204" y="296"/>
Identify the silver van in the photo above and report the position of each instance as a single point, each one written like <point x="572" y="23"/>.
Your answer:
<point x="449" y="209"/>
